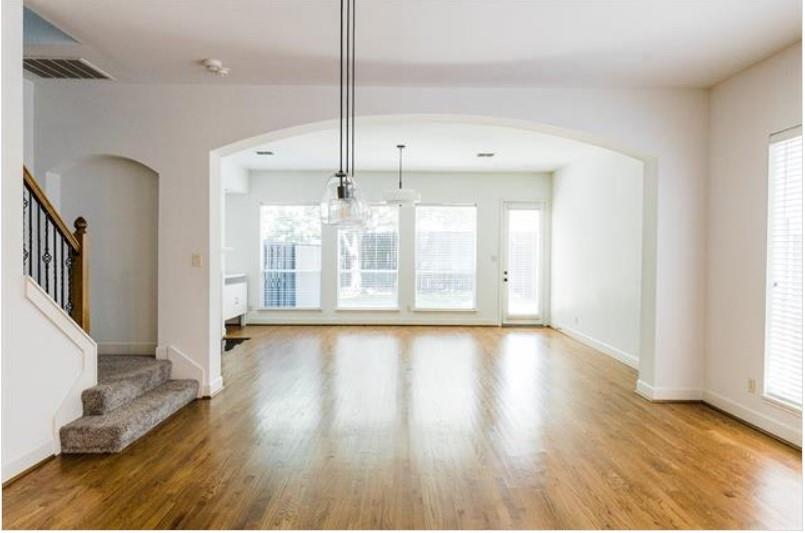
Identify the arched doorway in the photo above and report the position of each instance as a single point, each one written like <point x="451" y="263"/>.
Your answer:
<point x="649" y="202"/>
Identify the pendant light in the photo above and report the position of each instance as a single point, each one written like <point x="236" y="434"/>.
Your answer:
<point x="401" y="196"/>
<point x="342" y="203"/>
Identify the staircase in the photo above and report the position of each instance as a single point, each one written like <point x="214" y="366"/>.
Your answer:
<point x="134" y="394"/>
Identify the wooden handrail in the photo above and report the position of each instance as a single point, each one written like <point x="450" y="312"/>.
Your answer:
<point x="42" y="198"/>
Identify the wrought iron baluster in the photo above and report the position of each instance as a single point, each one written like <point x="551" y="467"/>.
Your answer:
<point x="30" y="233"/>
<point x="55" y="266"/>
<point x="68" y="263"/>
<point x="25" y="254"/>
<point x="46" y="257"/>
<point x="63" y="247"/>
<point x="39" y="243"/>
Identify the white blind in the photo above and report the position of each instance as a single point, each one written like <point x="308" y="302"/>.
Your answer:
<point x="783" y="375"/>
<point x="367" y="262"/>
<point x="445" y="257"/>
<point x="291" y="255"/>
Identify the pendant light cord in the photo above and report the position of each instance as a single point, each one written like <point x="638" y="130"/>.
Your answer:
<point x="401" y="146"/>
<point x="347" y="66"/>
<point x="346" y="91"/>
<point x="341" y="93"/>
<point x="352" y="143"/>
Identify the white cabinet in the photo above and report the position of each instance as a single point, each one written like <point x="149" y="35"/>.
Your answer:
<point x="235" y="295"/>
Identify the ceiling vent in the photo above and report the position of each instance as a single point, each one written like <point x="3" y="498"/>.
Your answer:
<point x="64" y="68"/>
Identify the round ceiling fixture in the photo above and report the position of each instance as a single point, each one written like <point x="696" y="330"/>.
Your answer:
<point x="215" y="66"/>
<point x="401" y="196"/>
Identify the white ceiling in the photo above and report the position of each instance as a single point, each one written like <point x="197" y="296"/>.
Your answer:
<point x="624" y="43"/>
<point x="430" y="146"/>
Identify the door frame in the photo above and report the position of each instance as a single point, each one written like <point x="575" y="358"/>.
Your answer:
<point x="503" y="251"/>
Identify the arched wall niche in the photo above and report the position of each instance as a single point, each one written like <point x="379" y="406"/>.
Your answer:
<point x="119" y="198"/>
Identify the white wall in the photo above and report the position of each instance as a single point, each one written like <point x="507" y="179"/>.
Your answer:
<point x="486" y="190"/>
<point x="745" y="109"/>
<point x="173" y="128"/>
<point x="42" y="368"/>
<point x="118" y="198"/>
<point x="28" y="122"/>
<point x="596" y="253"/>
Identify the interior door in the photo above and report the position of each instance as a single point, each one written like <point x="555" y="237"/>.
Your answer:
<point x="522" y="271"/>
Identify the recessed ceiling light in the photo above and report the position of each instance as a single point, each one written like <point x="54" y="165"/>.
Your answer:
<point x="486" y="154"/>
<point x="264" y="152"/>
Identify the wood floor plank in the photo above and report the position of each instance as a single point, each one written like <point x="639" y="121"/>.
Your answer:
<point x="382" y="427"/>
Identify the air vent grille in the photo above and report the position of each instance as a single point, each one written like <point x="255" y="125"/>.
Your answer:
<point x="64" y="68"/>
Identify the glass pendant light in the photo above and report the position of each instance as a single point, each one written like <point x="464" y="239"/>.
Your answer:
<point x="343" y="203"/>
<point x="400" y="195"/>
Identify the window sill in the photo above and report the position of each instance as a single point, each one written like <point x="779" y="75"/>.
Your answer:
<point x="445" y="309"/>
<point x="281" y="309"/>
<point x="782" y="404"/>
<point x="364" y="309"/>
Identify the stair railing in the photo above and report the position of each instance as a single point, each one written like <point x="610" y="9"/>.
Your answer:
<point x="56" y="258"/>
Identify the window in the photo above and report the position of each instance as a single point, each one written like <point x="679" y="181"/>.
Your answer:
<point x="367" y="262"/>
<point x="445" y="257"/>
<point x="291" y="256"/>
<point x="783" y="360"/>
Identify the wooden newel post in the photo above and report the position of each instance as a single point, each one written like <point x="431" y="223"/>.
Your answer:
<point x="79" y="276"/>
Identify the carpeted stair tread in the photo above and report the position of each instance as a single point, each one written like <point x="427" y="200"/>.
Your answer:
<point x="113" y="431"/>
<point x="121" y="379"/>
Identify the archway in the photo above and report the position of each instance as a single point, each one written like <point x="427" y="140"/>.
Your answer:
<point x="649" y="207"/>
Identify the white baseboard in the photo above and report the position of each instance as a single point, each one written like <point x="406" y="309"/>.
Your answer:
<point x="363" y="318"/>
<point x="126" y="348"/>
<point x="616" y="353"/>
<point x="19" y="465"/>
<point x="183" y="367"/>
<point x="216" y="386"/>
<point x="667" y="394"/>
<point x="788" y="433"/>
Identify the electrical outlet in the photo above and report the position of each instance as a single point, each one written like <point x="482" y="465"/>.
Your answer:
<point x="575" y="321"/>
<point x="751" y="386"/>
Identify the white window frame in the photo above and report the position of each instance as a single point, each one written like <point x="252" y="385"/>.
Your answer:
<point x="474" y="307"/>
<point x="338" y="306"/>
<point x="262" y="307"/>
<point x="773" y="138"/>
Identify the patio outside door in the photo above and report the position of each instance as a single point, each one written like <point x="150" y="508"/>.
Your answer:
<point x="522" y="265"/>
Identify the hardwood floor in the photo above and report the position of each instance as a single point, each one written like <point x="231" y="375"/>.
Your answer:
<point x="423" y="427"/>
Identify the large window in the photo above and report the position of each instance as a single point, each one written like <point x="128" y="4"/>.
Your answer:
<point x="783" y="362"/>
<point x="367" y="262"/>
<point x="291" y="256"/>
<point x="445" y="257"/>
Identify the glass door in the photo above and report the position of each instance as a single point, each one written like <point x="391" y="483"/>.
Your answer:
<point x="522" y="271"/>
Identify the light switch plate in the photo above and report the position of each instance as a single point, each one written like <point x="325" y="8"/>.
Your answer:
<point x="195" y="260"/>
